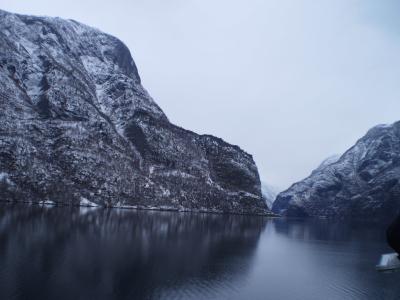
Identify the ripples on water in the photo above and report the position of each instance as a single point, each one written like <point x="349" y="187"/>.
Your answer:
<point x="81" y="253"/>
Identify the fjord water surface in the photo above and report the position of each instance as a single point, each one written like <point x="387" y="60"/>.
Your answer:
<point x="81" y="253"/>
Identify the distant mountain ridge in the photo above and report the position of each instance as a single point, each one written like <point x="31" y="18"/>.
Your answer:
<point x="362" y="183"/>
<point x="77" y="127"/>
<point x="269" y="193"/>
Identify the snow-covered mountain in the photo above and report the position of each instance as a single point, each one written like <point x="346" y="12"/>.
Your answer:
<point x="363" y="182"/>
<point x="77" y="127"/>
<point x="269" y="193"/>
<point x="328" y="161"/>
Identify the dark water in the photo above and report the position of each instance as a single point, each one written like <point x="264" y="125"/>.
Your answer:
<point x="64" y="253"/>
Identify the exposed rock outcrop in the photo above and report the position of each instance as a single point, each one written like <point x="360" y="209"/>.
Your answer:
<point x="78" y="127"/>
<point x="362" y="183"/>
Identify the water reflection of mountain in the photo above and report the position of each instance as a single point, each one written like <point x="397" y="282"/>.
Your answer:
<point x="331" y="230"/>
<point x="62" y="253"/>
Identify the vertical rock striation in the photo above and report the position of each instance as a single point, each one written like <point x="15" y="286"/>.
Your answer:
<point x="77" y="127"/>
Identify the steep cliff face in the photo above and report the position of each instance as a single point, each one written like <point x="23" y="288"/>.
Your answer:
<point x="362" y="183"/>
<point x="77" y="127"/>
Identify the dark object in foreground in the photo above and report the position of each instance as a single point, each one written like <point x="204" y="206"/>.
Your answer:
<point x="393" y="235"/>
<point x="391" y="262"/>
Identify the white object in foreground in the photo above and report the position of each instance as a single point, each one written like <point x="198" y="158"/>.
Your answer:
<point x="388" y="262"/>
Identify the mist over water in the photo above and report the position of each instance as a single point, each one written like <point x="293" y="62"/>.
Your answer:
<point x="81" y="253"/>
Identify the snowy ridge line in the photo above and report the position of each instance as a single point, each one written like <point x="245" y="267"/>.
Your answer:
<point x="362" y="183"/>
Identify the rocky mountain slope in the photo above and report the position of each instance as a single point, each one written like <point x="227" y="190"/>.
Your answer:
<point x="362" y="183"/>
<point x="77" y="127"/>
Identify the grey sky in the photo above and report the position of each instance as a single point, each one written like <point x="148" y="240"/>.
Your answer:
<point x="290" y="81"/>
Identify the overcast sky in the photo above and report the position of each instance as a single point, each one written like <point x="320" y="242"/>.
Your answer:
<point x="290" y="81"/>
